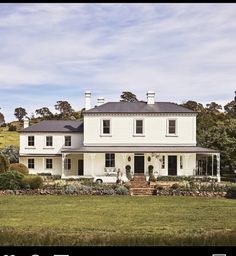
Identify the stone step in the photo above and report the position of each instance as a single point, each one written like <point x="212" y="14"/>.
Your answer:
<point x="141" y="191"/>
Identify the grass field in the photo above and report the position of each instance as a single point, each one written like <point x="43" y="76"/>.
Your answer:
<point x="116" y="220"/>
<point x="8" y="138"/>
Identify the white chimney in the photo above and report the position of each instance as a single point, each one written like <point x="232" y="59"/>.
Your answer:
<point x="101" y="101"/>
<point x="26" y="122"/>
<point x="150" y="97"/>
<point x="87" y="100"/>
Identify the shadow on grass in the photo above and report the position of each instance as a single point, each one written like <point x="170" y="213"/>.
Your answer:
<point x="11" y="237"/>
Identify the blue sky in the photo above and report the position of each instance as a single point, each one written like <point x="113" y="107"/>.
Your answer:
<point x="51" y="52"/>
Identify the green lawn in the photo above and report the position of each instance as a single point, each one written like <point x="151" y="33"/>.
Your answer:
<point x="116" y="220"/>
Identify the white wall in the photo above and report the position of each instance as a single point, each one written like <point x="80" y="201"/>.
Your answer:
<point x="97" y="168"/>
<point x="40" y="165"/>
<point x="40" y="142"/>
<point x="155" y="130"/>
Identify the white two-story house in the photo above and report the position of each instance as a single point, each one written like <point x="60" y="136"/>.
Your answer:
<point x="113" y="135"/>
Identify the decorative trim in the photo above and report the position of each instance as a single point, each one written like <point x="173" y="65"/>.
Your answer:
<point x="140" y="113"/>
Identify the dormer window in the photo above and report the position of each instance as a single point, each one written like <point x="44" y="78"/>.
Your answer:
<point x="105" y="127"/>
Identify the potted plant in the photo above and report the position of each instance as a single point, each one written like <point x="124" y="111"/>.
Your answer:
<point x="128" y="172"/>
<point x="151" y="175"/>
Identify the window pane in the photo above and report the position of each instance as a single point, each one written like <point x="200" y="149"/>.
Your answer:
<point x="172" y="126"/>
<point x="30" y="140"/>
<point x="49" y="141"/>
<point x="31" y="163"/>
<point x="67" y="140"/>
<point x="139" y="126"/>
<point x="106" y="126"/>
<point x="110" y="160"/>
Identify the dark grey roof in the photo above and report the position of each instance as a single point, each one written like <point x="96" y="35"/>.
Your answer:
<point x="56" y="126"/>
<point x="139" y="107"/>
<point x="141" y="149"/>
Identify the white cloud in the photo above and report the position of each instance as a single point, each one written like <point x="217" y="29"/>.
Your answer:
<point x="182" y="51"/>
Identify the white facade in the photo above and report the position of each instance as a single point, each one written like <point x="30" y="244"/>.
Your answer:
<point x="86" y="155"/>
<point x="155" y="130"/>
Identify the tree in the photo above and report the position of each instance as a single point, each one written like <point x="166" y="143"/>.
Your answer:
<point x="20" y="113"/>
<point x="128" y="97"/>
<point x="12" y="152"/>
<point x="193" y="105"/>
<point x="1" y="118"/>
<point x="64" y="108"/>
<point x="4" y="164"/>
<point x="213" y="108"/>
<point x="44" y="112"/>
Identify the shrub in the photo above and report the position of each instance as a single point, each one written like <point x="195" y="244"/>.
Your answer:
<point x="12" y="128"/>
<point x="122" y="190"/>
<point x="4" y="164"/>
<point x="32" y="182"/>
<point x="11" y="180"/>
<point x="44" y="174"/>
<point x="20" y="168"/>
<point x="12" y="152"/>
<point x="175" y="186"/>
<point x="56" y="177"/>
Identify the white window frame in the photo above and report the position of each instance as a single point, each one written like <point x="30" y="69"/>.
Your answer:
<point x="176" y="127"/>
<point x="65" y="141"/>
<point x="134" y="130"/>
<point x="110" y="160"/>
<point x="66" y="164"/>
<point x="46" y="141"/>
<point x="101" y="128"/>
<point x="48" y="168"/>
<point x="30" y="146"/>
<point x="33" y="163"/>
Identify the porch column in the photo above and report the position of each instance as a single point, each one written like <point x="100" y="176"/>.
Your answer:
<point x="63" y="165"/>
<point x="43" y="164"/>
<point x="186" y="157"/>
<point x="92" y="156"/>
<point x="218" y="166"/>
<point x="124" y="172"/>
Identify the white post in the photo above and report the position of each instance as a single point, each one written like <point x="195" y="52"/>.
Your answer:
<point x="43" y="164"/>
<point x="92" y="156"/>
<point x="62" y="165"/>
<point x="218" y="166"/>
<point x="124" y="172"/>
<point x="185" y="166"/>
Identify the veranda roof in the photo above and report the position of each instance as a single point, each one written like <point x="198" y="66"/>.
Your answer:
<point x="140" y="149"/>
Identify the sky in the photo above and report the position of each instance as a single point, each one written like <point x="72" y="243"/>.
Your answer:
<point x="51" y="52"/>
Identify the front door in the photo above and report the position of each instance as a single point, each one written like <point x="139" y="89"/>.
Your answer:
<point x="81" y="167"/>
<point x="172" y="165"/>
<point x="139" y="164"/>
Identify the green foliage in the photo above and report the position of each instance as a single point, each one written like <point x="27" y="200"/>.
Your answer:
<point x="185" y="178"/>
<point x="12" y="128"/>
<point x="4" y="163"/>
<point x="2" y="121"/>
<point x="11" y="180"/>
<point x="128" y="97"/>
<point x="32" y="182"/>
<point x="12" y="152"/>
<point x="122" y="190"/>
<point x="64" y="108"/>
<point x="44" y="113"/>
<point x="20" y="113"/>
<point x="20" y="168"/>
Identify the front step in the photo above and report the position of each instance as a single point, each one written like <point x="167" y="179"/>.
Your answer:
<point x="141" y="191"/>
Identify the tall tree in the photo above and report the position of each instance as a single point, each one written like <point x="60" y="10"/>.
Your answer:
<point x="20" y="113"/>
<point x="128" y="97"/>
<point x="213" y="108"/>
<point x="193" y="105"/>
<point x="2" y="120"/>
<point x="44" y="112"/>
<point x="64" y="108"/>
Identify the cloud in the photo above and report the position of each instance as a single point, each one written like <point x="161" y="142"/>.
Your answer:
<point x="182" y="51"/>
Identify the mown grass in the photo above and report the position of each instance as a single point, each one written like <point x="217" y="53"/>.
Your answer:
<point x="8" y="138"/>
<point x="116" y="220"/>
